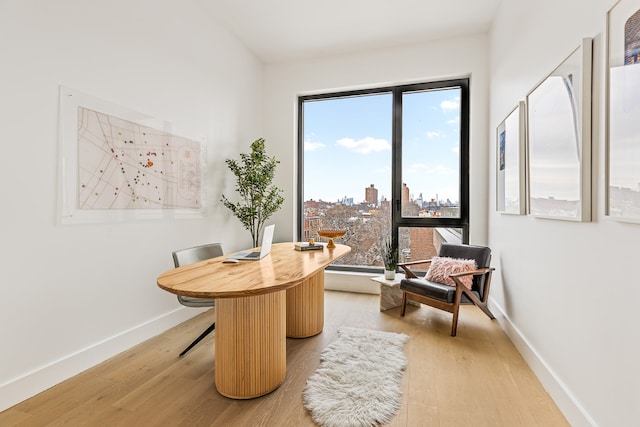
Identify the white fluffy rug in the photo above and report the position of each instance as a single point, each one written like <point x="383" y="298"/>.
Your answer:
<point x="358" y="380"/>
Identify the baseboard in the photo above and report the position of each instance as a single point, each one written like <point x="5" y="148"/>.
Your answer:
<point x="40" y="379"/>
<point x="571" y="408"/>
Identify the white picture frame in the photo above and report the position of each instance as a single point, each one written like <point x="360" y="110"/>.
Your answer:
<point x="559" y="140"/>
<point x="100" y="164"/>
<point x="511" y="185"/>
<point x="623" y="112"/>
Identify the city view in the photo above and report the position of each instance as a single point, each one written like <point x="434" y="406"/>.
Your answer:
<point x="368" y="222"/>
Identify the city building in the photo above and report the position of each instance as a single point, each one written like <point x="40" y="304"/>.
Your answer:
<point x="371" y="195"/>
<point x="346" y="201"/>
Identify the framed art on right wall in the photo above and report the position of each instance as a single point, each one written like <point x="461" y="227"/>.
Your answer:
<point x="559" y="140"/>
<point x="623" y="111"/>
<point x="511" y="163"/>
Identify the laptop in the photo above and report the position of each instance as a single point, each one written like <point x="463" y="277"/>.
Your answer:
<point x="267" y="239"/>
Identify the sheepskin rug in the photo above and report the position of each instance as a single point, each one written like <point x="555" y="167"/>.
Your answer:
<point x="358" y="380"/>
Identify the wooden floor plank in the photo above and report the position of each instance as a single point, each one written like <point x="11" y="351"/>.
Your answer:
<point x="477" y="378"/>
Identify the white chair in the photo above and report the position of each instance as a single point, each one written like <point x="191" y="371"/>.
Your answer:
<point x="190" y="256"/>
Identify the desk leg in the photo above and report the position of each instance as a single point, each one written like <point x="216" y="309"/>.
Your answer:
<point x="305" y="307"/>
<point x="250" y="349"/>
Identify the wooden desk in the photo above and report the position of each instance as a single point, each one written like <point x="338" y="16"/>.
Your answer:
<point x="258" y="305"/>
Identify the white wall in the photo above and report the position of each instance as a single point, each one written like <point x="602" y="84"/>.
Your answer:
<point x="567" y="289"/>
<point x="446" y="59"/>
<point x="75" y="295"/>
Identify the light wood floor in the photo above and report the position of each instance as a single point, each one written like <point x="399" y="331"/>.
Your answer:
<point x="475" y="379"/>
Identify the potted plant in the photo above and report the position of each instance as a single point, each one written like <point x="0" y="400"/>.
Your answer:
<point x="258" y="198"/>
<point x="390" y="258"/>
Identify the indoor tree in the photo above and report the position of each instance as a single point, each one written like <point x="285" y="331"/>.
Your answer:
<point x="259" y="199"/>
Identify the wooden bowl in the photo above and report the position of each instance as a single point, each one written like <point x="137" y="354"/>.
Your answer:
<point x="331" y="234"/>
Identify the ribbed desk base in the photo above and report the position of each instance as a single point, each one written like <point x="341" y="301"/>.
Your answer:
<point x="250" y="349"/>
<point x="305" y="307"/>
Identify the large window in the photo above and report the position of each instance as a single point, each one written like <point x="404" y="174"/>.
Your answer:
<point x="385" y="162"/>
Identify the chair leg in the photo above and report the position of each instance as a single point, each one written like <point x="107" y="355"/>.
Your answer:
<point x="454" y="322"/>
<point x="486" y="311"/>
<point x="197" y="340"/>
<point x="404" y="304"/>
<point x="456" y="309"/>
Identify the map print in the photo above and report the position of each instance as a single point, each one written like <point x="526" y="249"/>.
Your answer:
<point x="125" y="165"/>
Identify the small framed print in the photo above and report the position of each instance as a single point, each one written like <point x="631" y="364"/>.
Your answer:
<point x="511" y="163"/>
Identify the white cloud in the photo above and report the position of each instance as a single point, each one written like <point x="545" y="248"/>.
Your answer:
<point x="365" y="145"/>
<point x="433" y="134"/>
<point x="313" y="146"/>
<point x="450" y="104"/>
<point x="456" y="149"/>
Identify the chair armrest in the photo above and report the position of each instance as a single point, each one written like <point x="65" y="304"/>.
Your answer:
<point x="462" y="289"/>
<point x="423" y="261"/>
<point x="407" y="271"/>
<point x="477" y="272"/>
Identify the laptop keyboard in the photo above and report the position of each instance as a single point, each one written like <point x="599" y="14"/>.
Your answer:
<point x="253" y="255"/>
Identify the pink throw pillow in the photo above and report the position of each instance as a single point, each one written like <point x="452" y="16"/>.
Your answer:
<point x="442" y="267"/>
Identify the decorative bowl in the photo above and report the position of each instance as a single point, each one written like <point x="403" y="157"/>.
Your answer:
<point x="331" y="234"/>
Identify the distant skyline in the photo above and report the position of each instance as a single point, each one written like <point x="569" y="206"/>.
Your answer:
<point x="348" y="146"/>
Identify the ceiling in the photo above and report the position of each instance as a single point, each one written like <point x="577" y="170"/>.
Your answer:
<point x="283" y="30"/>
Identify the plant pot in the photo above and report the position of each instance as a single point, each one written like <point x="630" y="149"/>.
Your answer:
<point x="389" y="274"/>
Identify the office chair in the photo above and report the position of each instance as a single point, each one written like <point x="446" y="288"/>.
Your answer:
<point x="190" y="256"/>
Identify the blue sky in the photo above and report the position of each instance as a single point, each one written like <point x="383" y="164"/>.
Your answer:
<point x="347" y="145"/>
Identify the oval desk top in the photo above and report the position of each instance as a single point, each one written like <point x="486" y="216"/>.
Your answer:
<point x="283" y="268"/>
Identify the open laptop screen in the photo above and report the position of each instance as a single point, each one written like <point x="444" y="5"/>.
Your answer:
<point x="267" y="240"/>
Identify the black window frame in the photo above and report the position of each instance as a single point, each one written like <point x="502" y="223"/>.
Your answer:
<point x="397" y="220"/>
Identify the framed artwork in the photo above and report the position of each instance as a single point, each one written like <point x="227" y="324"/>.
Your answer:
<point x="511" y="163"/>
<point x="120" y="165"/>
<point x="559" y="140"/>
<point x="623" y="111"/>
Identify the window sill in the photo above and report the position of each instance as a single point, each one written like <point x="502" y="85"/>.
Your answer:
<point x="350" y="281"/>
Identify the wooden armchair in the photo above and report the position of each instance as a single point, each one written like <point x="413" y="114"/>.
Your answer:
<point x="448" y="297"/>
